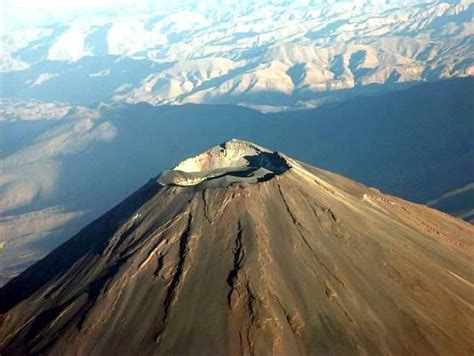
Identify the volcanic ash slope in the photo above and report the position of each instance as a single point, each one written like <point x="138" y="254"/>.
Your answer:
<point x="242" y="251"/>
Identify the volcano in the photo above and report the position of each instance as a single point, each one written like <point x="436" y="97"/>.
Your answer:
<point x="245" y="251"/>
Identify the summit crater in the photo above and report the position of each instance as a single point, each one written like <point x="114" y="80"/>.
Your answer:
<point x="234" y="161"/>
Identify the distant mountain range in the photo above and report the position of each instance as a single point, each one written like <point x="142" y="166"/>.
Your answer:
<point x="270" y="55"/>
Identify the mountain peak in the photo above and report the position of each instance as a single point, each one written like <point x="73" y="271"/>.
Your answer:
<point x="309" y="263"/>
<point x="234" y="161"/>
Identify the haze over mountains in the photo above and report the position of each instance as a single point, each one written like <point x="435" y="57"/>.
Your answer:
<point x="241" y="250"/>
<point x="270" y="55"/>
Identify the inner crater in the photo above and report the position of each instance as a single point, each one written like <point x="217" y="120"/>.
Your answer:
<point x="231" y="162"/>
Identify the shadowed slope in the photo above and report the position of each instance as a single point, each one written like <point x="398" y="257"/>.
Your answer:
<point x="304" y="262"/>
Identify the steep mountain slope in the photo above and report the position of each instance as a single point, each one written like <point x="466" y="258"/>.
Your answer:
<point x="266" y="54"/>
<point x="416" y="144"/>
<point x="241" y="250"/>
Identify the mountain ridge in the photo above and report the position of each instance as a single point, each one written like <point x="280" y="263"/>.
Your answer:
<point x="251" y="57"/>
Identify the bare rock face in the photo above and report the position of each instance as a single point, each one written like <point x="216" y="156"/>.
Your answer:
<point x="244" y="251"/>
